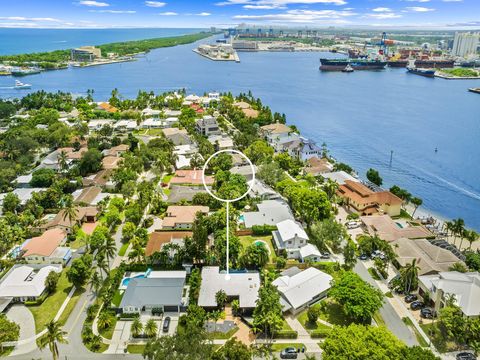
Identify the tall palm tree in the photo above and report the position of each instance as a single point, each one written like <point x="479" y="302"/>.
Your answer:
<point x="330" y="187"/>
<point x="109" y="248"/>
<point x="54" y="335"/>
<point x="96" y="282"/>
<point x="102" y="263"/>
<point x="417" y="202"/>
<point x="63" y="161"/>
<point x="136" y="327"/>
<point x="471" y="236"/>
<point x="70" y="210"/>
<point x="104" y="320"/>
<point x="151" y="328"/>
<point x="458" y="229"/>
<point x="409" y="275"/>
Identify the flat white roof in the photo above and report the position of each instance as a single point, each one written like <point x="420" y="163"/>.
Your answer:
<point x="270" y="212"/>
<point x="26" y="280"/>
<point x="339" y="176"/>
<point x="243" y="285"/>
<point x="301" y="288"/>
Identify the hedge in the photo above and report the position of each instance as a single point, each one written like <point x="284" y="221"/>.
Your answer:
<point x="320" y="333"/>
<point x="285" y="334"/>
<point x="263" y="229"/>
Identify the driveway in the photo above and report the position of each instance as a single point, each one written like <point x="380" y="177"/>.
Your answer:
<point x="24" y="318"/>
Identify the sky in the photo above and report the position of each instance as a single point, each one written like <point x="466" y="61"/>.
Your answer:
<point x="221" y="13"/>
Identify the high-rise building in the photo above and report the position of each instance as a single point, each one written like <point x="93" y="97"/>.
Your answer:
<point x="465" y="44"/>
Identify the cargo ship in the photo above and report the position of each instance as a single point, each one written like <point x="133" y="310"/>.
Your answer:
<point x="355" y="64"/>
<point x="430" y="73"/>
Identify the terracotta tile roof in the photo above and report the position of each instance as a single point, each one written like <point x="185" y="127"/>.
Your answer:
<point x="242" y="105"/>
<point x="157" y="239"/>
<point x="45" y="244"/>
<point x="82" y="213"/>
<point x="111" y="162"/>
<point x="182" y="215"/>
<point x="119" y="149"/>
<point x="363" y="196"/>
<point x="190" y="177"/>
<point x="316" y="165"/>
<point x="251" y="113"/>
<point x="388" y="230"/>
<point x="107" y="107"/>
<point x="72" y="154"/>
<point x="88" y="228"/>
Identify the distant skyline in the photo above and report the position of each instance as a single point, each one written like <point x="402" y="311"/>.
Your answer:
<point x="221" y="13"/>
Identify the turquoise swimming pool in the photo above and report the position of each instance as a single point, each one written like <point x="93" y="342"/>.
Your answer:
<point x="127" y="280"/>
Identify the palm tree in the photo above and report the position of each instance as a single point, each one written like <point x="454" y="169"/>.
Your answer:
<point x="215" y="316"/>
<point x="409" y="275"/>
<point x="416" y="202"/>
<point x="330" y="187"/>
<point x="137" y="253"/>
<point x="102" y="263"/>
<point x="63" y="161"/>
<point x="54" y="335"/>
<point x="458" y="229"/>
<point x="221" y="298"/>
<point x="104" y="320"/>
<point x="471" y="237"/>
<point x="109" y="248"/>
<point x="70" y="210"/>
<point x="95" y="342"/>
<point x="95" y="282"/>
<point x="136" y="327"/>
<point x="151" y="328"/>
<point x="196" y="161"/>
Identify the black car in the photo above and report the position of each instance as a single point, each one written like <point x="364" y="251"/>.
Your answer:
<point x="410" y="297"/>
<point x="417" y="305"/>
<point x="427" y="313"/>
<point x="166" y="324"/>
<point x="363" y="257"/>
<point x="465" y="356"/>
<point x="325" y="255"/>
<point x="288" y="353"/>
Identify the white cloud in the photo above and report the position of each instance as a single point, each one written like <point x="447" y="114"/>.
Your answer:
<point x="168" y="13"/>
<point x="203" y="14"/>
<point x="279" y="3"/>
<point x="155" y="4"/>
<point x="382" y="9"/>
<point x="94" y="3"/>
<point x="385" y="15"/>
<point x="452" y="0"/>
<point x="419" y="9"/>
<point x="22" y="18"/>
<point x="301" y="16"/>
<point x="114" y="11"/>
<point x="264" y="7"/>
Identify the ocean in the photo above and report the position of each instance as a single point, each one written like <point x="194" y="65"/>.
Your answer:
<point x="361" y="116"/>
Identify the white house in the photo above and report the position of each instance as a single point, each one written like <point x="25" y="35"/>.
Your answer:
<point x="242" y="286"/>
<point x="25" y="282"/>
<point x="290" y="236"/>
<point x="207" y="126"/>
<point x="464" y="286"/>
<point x="270" y="212"/>
<point x="299" y="289"/>
<point x="310" y="252"/>
<point x="278" y="134"/>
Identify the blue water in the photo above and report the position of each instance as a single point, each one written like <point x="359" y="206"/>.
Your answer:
<point x="361" y="116"/>
<point x="127" y="280"/>
<point x="19" y="41"/>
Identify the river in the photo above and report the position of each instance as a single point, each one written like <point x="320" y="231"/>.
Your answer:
<point x="362" y="116"/>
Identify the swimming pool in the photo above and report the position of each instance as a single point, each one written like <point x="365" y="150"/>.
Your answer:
<point x="127" y="280"/>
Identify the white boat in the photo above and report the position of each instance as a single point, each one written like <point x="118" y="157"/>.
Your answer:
<point x="20" y="85"/>
<point x="348" y="69"/>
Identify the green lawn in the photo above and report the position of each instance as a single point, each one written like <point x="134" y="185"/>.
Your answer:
<point x="247" y="240"/>
<point x="333" y="314"/>
<point x="79" y="240"/>
<point x="46" y="311"/>
<point x="123" y="249"/>
<point x="303" y="319"/>
<point x="440" y="340"/>
<point x="166" y="179"/>
<point x="71" y="304"/>
<point x="108" y="332"/>
<point x="117" y="298"/>
<point x="135" y="349"/>
<point x="220" y="335"/>
<point x="419" y="337"/>
<point x="4" y="352"/>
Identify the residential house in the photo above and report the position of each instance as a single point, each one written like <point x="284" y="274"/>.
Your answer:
<point x="190" y="177"/>
<point x="277" y="134"/>
<point x="301" y="148"/>
<point x="242" y="286"/>
<point x="105" y="106"/>
<point x="464" y="287"/>
<point x="182" y="217"/>
<point x="300" y="289"/>
<point x="46" y="249"/>
<point x="116" y="150"/>
<point x="247" y="109"/>
<point x="270" y="212"/>
<point x="162" y="291"/>
<point x="97" y="124"/>
<point x="25" y="283"/>
<point x="390" y="230"/>
<point x="207" y="126"/>
<point x="125" y="125"/>
<point x="111" y="162"/>
<point x="430" y="259"/>
<point x="158" y="239"/>
<point x="177" y="136"/>
<point x="290" y="236"/>
<point x="183" y="192"/>
<point x="318" y="166"/>
<point x="151" y="113"/>
<point x="367" y="202"/>
<point x="339" y="177"/>
<point x="310" y="252"/>
<point x="101" y="178"/>
<point x="89" y="196"/>
<point x="85" y="215"/>
<point x="24" y="194"/>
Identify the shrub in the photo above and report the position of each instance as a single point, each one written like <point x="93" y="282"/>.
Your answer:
<point x="285" y="334"/>
<point x="263" y="229"/>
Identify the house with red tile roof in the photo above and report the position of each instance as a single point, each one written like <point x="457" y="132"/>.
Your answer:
<point x="190" y="177"/>
<point x="182" y="217"/>
<point x="47" y="249"/>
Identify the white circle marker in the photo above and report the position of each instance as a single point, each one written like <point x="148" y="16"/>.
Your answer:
<point x="228" y="201"/>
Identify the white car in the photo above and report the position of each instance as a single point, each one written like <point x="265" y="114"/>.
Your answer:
<point x="352" y="225"/>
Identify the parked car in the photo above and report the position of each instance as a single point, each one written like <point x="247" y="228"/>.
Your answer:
<point x="410" y="297"/>
<point x="417" y="305"/>
<point x="289" y="353"/>
<point x="363" y="257"/>
<point x="465" y="356"/>
<point x="427" y="313"/>
<point x="378" y="254"/>
<point x="166" y="324"/>
<point x="352" y="225"/>
<point x="325" y="255"/>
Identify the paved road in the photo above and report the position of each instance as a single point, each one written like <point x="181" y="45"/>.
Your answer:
<point x="389" y="315"/>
